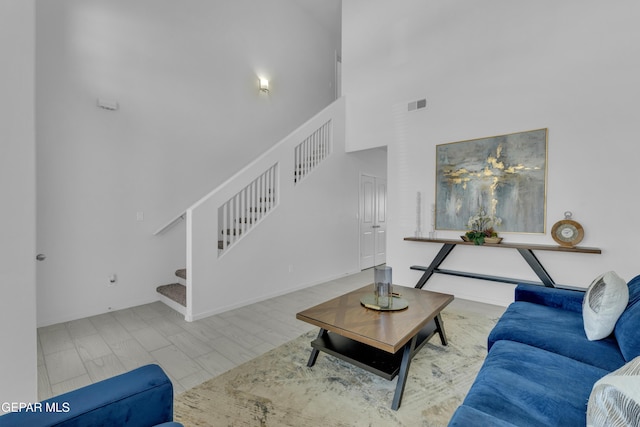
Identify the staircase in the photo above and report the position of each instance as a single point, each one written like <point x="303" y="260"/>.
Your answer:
<point x="242" y="212"/>
<point x="240" y="218"/>
<point x="224" y="218"/>
<point x="175" y="294"/>
<point x="310" y="152"/>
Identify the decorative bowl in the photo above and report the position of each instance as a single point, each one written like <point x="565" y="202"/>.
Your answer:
<point x="494" y="240"/>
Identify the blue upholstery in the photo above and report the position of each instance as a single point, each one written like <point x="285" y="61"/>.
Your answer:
<point x="556" y="330"/>
<point x="139" y="398"/>
<point x="541" y="367"/>
<point x="527" y="386"/>
<point x="565" y="299"/>
<point x="626" y="330"/>
<point x="466" y="416"/>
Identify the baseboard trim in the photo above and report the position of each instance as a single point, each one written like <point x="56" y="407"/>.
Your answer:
<point x="93" y="311"/>
<point x="173" y="305"/>
<point x="267" y="296"/>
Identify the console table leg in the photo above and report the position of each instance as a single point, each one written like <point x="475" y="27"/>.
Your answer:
<point x="440" y="257"/>
<point x="404" y="373"/>
<point x="314" y="352"/>
<point x="440" y="329"/>
<point x="537" y="267"/>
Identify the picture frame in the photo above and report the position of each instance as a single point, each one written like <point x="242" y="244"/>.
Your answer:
<point x="505" y="176"/>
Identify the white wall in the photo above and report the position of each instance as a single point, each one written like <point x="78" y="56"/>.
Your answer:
<point x="310" y="237"/>
<point x="185" y="76"/>
<point x="18" y="194"/>
<point x="497" y="67"/>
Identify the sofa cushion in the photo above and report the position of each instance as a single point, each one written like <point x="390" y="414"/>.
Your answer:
<point x="626" y="330"/>
<point x="605" y="300"/>
<point x="466" y="416"/>
<point x="566" y="299"/>
<point x="528" y="386"/>
<point x="556" y="330"/>
<point x="615" y="398"/>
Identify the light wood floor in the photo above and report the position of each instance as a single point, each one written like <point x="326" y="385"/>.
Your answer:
<point x="84" y="351"/>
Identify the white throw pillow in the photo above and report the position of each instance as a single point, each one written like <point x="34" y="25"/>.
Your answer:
<point x="615" y="398"/>
<point x="605" y="300"/>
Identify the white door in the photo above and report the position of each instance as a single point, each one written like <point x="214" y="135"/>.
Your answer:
<point x="373" y="221"/>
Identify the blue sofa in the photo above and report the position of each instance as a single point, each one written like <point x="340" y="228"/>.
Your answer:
<point x="541" y="368"/>
<point x="139" y="398"/>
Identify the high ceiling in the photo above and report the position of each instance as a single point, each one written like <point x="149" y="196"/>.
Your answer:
<point x="327" y="12"/>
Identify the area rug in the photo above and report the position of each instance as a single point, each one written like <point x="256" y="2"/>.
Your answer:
<point x="278" y="389"/>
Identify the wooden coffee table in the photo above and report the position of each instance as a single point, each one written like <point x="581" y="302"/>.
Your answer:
<point x="381" y="342"/>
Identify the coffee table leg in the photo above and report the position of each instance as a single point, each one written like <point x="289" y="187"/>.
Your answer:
<point x="404" y="373"/>
<point x="440" y="329"/>
<point x="315" y="352"/>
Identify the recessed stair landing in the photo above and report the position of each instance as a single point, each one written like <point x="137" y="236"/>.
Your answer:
<point x="175" y="294"/>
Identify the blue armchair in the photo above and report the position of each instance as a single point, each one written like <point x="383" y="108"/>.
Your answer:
<point x="139" y="398"/>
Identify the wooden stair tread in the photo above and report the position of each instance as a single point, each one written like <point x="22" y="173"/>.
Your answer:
<point x="182" y="273"/>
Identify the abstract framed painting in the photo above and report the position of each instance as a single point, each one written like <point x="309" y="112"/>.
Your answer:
<point x="504" y="175"/>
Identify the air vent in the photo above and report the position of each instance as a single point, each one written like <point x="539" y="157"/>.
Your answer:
<point x="417" y="105"/>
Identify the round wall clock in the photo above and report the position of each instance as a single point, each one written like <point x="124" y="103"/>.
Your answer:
<point x="567" y="232"/>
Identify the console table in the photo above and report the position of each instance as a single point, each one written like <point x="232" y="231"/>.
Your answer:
<point x="525" y="249"/>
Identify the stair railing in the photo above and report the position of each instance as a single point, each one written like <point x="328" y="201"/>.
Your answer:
<point x="313" y="150"/>
<point x="228" y="214"/>
<point x="247" y="208"/>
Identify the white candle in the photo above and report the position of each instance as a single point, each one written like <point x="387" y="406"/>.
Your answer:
<point x="433" y="216"/>
<point x="418" y="232"/>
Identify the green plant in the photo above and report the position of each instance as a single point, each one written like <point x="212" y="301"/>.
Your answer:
<point x="481" y="226"/>
<point x="478" y="237"/>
